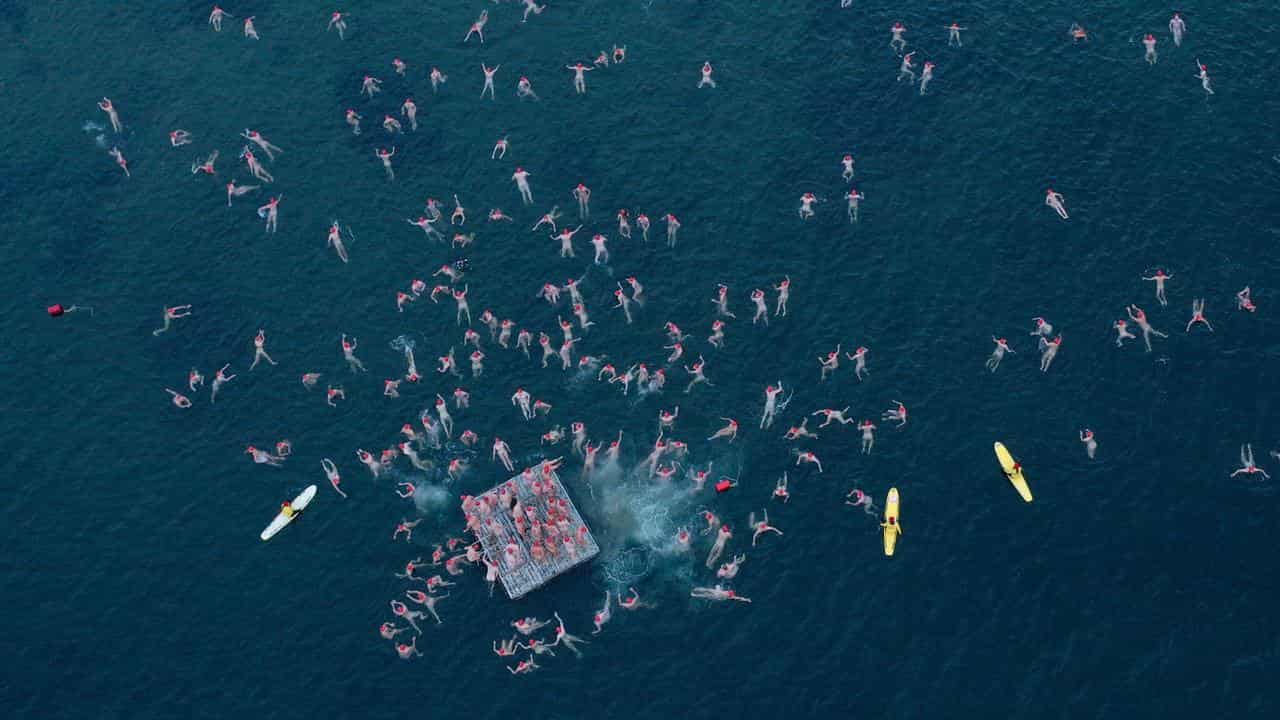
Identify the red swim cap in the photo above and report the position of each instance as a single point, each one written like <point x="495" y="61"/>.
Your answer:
<point x="56" y="310"/>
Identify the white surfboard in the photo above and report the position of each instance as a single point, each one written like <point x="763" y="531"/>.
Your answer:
<point x="299" y="504"/>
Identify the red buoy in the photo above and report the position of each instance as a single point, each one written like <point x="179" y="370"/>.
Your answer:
<point x="723" y="486"/>
<point x="56" y="310"/>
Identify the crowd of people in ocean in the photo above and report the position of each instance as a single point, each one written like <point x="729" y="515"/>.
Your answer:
<point x="543" y="530"/>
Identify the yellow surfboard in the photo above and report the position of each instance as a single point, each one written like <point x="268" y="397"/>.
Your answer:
<point x="892" y="528"/>
<point x="1013" y="471"/>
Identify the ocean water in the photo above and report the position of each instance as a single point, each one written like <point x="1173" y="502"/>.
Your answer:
<point x="1140" y="584"/>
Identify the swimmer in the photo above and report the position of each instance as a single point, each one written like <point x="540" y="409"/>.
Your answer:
<point x="437" y="79"/>
<point x="333" y="394"/>
<point x="854" y="197"/>
<point x="1077" y="33"/>
<point x="722" y="538"/>
<point x="385" y="157"/>
<point x="464" y="308"/>
<point x="391" y="125"/>
<point x="1048" y="351"/>
<point x="235" y="191"/>
<point x="861" y="499"/>
<point x="926" y="75"/>
<point x="1042" y="329"/>
<point x="579" y="77"/>
<point x="526" y="195"/>
<point x="370" y="86"/>
<point x="255" y="168"/>
<point x="391" y="388"/>
<point x="1054" y="200"/>
<point x="1090" y="445"/>
<point x="524" y="667"/>
<point x="524" y="89"/>
<point x="762" y="310"/>
<point x="458" y="216"/>
<point x="1137" y="315"/>
<point x="953" y="35"/>
<point x="730" y="430"/>
<point x="406" y="527"/>
<point x="179" y="400"/>
<point x="271" y="213"/>
<point x="1197" y="315"/>
<point x="698" y="376"/>
<point x="831" y="416"/>
<point x="806" y="205"/>
<point x="1159" y="279"/>
<point x="215" y="18"/>
<point x="335" y="241"/>
<point x="808" y="457"/>
<point x="353" y="120"/>
<point x="642" y="222"/>
<point x="178" y="138"/>
<point x="637" y="290"/>
<point x="109" y="108"/>
<point x="529" y="625"/>
<point x="409" y="109"/>
<point x="194" y="379"/>
<point x="477" y="27"/>
<point x="868" y="436"/>
<point x="706" y="80"/>
<point x="488" y="80"/>
<point x="389" y="630"/>
<point x="401" y="610"/>
<point x="603" y="615"/>
<point x="717" y="593"/>
<point x="564" y="637"/>
<point x="1122" y="333"/>
<point x="429" y="601"/>
<point x="582" y="194"/>
<point x="673" y="227"/>
<point x="120" y="160"/>
<point x="784" y="295"/>
<point x="721" y="301"/>
<point x="521" y="400"/>
<point x="532" y="7"/>
<point x="399" y="66"/>
<point x="565" y="236"/>
<point x="771" y="393"/>
<point x="632" y="602"/>
<point x="407" y="651"/>
<point x="548" y="218"/>
<point x="716" y="339"/>
<point x="760" y="528"/>
<point x="829" y="364"/>
<point x="847" y="164"/>
<point x="309" y="380"/>
<point x="205" y="166"/>
<point x="170" y="314"/>
<point x="1244" y="301"/>
<point x="1178" y="28"/>
<point x="500" y="151"/>
<point x="262" y="457"/>
<point x="256" y="138"/>
<point x="338" y="22"/>
<point x="1247" y="465"/>
<point x="598" y="242"/>
<point x="859" y="358"/>
<point x="897" y="43"/>
<point x="997" y="354"/>
<point x="331" y="472"/>
<point x="729" y="570"/>
<point x="1203" y="74"/>
<point x="1150" y="43"/>
<point x="905" y="69"/>
<point x="259" y="350"/>
<point x="348" y="354"/>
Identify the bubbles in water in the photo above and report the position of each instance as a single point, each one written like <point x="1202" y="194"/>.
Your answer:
<point x="402" y="343"/>
<point x="627" y="567"/>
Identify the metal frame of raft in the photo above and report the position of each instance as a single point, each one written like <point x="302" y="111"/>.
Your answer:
<point x="530" y="575"/>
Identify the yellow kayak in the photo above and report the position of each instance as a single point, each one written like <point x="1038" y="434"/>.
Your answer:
<point x="1013" y="471"/>
<point x="892" y="529"/>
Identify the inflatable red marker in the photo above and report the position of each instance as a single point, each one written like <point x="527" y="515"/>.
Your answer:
<point x="724" y="485"/>
<point x="57" y="310"/>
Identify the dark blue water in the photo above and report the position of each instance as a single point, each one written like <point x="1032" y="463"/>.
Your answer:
<point x="1141" y="584"/>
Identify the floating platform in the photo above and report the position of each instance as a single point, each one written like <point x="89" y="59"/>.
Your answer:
<point x="520" y="568"/>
